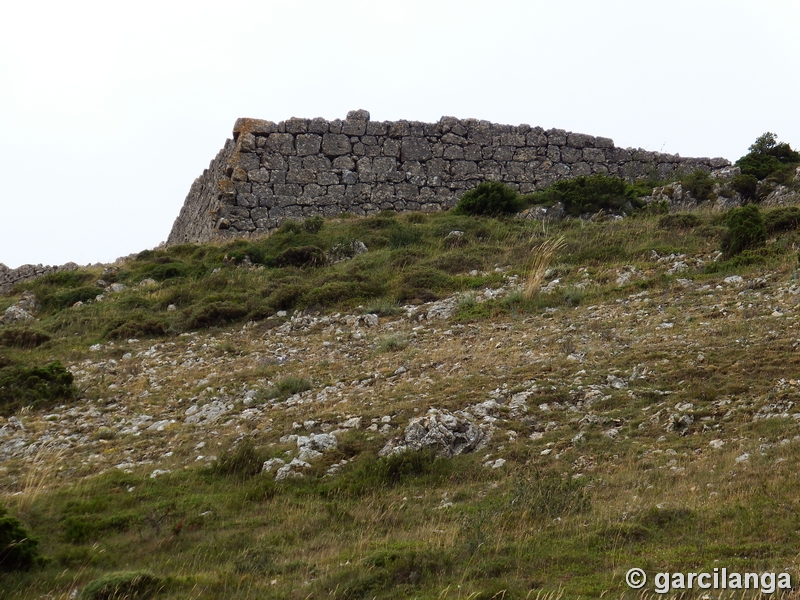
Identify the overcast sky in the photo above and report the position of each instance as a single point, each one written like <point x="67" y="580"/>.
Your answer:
<point x="109" y="110"/>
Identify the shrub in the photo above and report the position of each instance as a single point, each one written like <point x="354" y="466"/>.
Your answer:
<point x="18" y="551"/>
<point x="289" y="386"/>
<point x="680" y="221"/>
<point x="766" y="157"/>
<point x="313" y="224"/>
<point x="746" y="229"/>
<point x="135" y="327"/>
<point x="421" y="282"/>
<point x="303" y="256"/>
<point x="215" y="314"/>
<point x="699" y="184"/>
<point x="34" y="386"/>
<point x="65" y="298"/>
<point x="746" y="185"/>
<point x="243" y="462"/>
<point x="590" y="194"/>
<point x="785" y="218"/>
<point x="392" y="343"/>
<point x="404" y="236"/>
<point x="287" y="296"/>
<point x="116" y="586"/>
<point x="22" y="337"/>
<point x="490" y="198"/>
<point x="290" y="226"/>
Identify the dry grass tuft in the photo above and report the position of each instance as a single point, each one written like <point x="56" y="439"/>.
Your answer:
<point x="541" y="256"/>
<point x="44" y="464"/>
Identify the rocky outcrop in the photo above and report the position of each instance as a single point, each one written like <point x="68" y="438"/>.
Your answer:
<point x="270" y="172"/>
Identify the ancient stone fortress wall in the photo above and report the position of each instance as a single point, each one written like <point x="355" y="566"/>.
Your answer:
<point x="299" y="168"/>
<point x="8" y="277"/>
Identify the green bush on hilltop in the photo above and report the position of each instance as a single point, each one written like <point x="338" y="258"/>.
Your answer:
<point x="768" y="158"/>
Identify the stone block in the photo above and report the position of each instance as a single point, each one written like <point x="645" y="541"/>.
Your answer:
<point x="246" y="142"/>
<point x="556" y="137"/>
<point x="246" y="200"/>
<point x="258" y="175"/>
<point x="318" y="125"/>
<point x="282" y="143"/>
<point x="594" y="155"/>
<point x="295" y="125"/>
<point x="336" y="144"/>
<point x="358" y="115"/>
<point x="406" y="190"/>
<point x="480" y="134"/>
<point x="504" y="153"/>
<point x="512" y="139"/>
<point x="384" y="164"/>
<point x="391" y="147"/>
<point x="316" y="163"/>
<point x="254" y="126"/>
<point x="247" y="161"/>
<point x="580" y="140"/>
<point x="464" y="169"/>
<point x="301" y="176"/>
<point x="327" y="178"/>
<point x="352" y="127"/>
<point x="453" y="153"/>
<point x="536" y="138"/>
<point x="288" y="189"/>
<point x="273" y="161"/>
<point x="581" y="168"/>
<point x="377" y="128"/>
<point x="308" y="143"/>
<point x="570" y="154"/>
<point x="603" y="142"/>
<point x="473" y="152"/>
<point x="526" y="154"/>
<point x="414" y="148"/>
<point x="344" y="162"/>
<point x="451" y="138"/>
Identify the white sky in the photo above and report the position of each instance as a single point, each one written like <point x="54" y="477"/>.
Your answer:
<point x="109" y="110"/>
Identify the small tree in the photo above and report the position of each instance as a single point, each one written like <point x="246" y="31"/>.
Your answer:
<point x="766" y="157"/>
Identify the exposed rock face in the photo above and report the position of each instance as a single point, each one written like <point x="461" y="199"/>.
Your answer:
<point x="300" y="168"/>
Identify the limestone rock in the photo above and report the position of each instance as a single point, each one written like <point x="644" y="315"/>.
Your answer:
<point x="448" y="433"/>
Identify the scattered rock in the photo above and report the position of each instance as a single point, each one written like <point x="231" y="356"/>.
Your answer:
<point x="448" y="433"/>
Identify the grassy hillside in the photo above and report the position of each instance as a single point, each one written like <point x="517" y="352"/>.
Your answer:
<point x="636" y="387"/>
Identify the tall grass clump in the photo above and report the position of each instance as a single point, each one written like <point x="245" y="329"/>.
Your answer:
<point x="540" y="259"/>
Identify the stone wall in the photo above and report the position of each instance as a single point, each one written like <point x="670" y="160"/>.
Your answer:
<point x="8" y="277"/>
<point x="299" y="168"/>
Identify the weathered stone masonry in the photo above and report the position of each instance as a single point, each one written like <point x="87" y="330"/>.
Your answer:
<point x="298" y="168"/>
